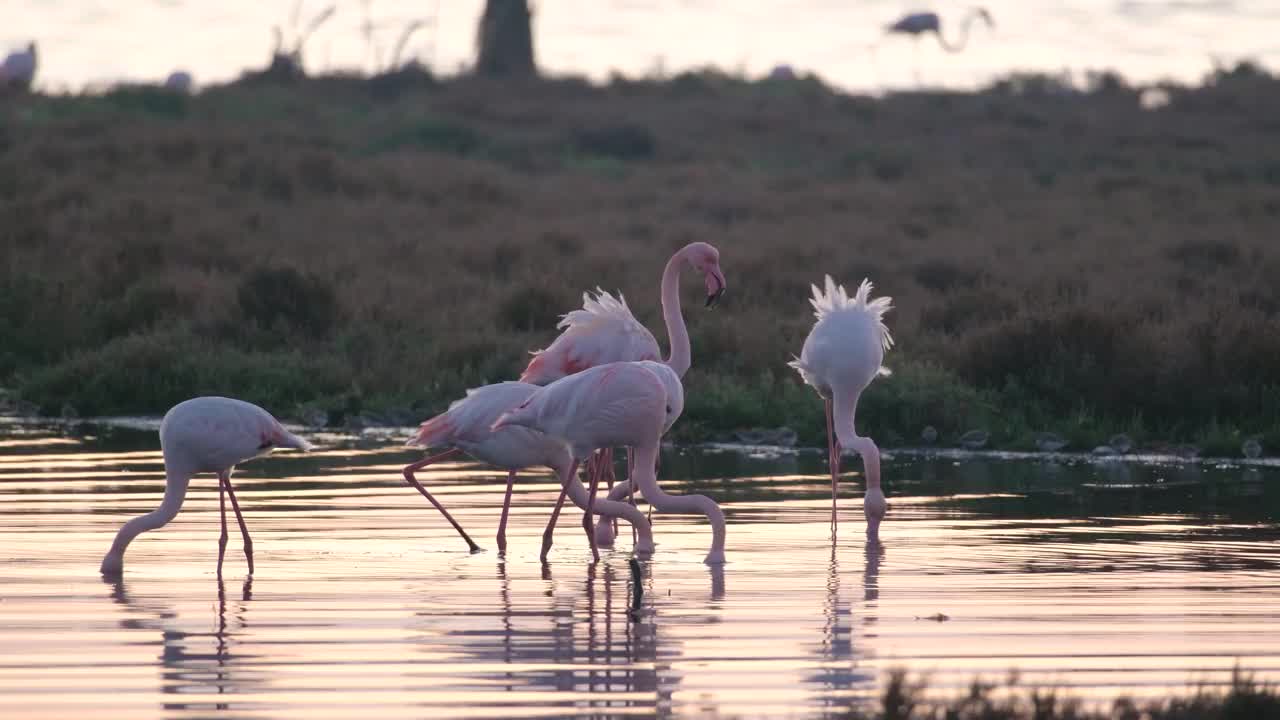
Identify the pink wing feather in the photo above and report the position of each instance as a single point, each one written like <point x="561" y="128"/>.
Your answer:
<point x="468" y="419"/>
<point x="602" y="332"/>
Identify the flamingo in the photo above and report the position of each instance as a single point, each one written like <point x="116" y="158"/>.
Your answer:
<point x="179" y="81"/>
<point x="605" y="330"/>
<point x="627" y="404"/>
<point x="843" y="353"/>
<point x="465" y="426"/>
<point x="205" y="434"/>
<point x="19" y="68"/>
<point x="918" y="23"/>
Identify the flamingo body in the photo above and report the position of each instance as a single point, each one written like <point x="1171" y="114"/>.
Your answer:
<point x="846" y="346"/>
<point x="604" y="406"/>
<point x="204" y="434"/>
<point x="842" y="355"/>
<point x="19" y="68"/>
<point x="916" y="23"/>
<point x="603" y="331"/>
<point x="619" y="404"/>
<point x="467" y="426"/>
<point x="179" y="81"/>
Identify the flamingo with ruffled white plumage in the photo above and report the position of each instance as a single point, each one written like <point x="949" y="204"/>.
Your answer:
<point x="842" y="355"/>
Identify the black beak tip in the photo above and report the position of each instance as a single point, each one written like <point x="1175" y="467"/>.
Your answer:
<point x="713" y="298"/>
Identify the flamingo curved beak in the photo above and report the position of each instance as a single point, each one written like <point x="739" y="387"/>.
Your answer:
<point x="716" y="286"/>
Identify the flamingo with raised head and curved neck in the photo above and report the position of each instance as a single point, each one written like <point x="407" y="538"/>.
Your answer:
<point x="466" y="428"/>
<point x="205" y="434"/>
<point x="918" y="23"/>
<point x="621" y="404"/>
<point x="843" y="353"/>
<point x="605" y="331"/>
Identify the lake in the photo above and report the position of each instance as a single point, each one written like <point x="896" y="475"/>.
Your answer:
<point x="94" y="41"/>
<point x="1099" y="578"/>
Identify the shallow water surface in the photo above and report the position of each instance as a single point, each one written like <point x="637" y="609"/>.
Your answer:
<point x="1098" y="578"/>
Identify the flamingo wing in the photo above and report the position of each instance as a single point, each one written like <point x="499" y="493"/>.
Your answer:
<point x="468" y="418"/>
<point x="603" y="331"/>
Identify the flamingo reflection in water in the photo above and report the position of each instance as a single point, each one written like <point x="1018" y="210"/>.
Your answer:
<point x="843" y="672"/>
<point x="196" y="663"/>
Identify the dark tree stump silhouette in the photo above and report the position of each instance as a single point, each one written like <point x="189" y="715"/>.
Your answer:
<point x="505" y="39"/>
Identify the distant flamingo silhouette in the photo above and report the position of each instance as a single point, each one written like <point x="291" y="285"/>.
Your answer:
<point x="205" y="434"/>
<point x="627" y="404"/>
<point x="466" y="426"/>
<point x="605" y="330"/>
<point x="918" y="23"/>
<point x="843" y="353"/>
<point x="19" y="68"/>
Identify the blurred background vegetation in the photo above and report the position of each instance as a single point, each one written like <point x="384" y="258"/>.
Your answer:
<point x="1082" y="259"/>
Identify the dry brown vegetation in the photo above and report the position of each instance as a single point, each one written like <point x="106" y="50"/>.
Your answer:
<point x="904" y="699"/>
<point x="1059" y="259"/>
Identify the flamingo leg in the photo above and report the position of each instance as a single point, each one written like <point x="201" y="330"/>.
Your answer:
<point x="244" y="531"/>
<point x="833" y="461"/>
<point x="612" y="478"/>
<point x="586" y="517"/>
<point x="631" y="486"/>
<point x="555" y="514"/>
<point x="915" y="58"/>
<point x="222" y="539"/>
<point x="409" y="470"/>
<point x="506" y="507"/>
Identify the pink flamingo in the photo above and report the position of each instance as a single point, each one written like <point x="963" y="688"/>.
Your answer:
<point x="627" y="404"/>
<point x="842" y="355"/>
<point x="466" y="427"/>
<point x="605" y="330"/>
<point x="205" y="434"/>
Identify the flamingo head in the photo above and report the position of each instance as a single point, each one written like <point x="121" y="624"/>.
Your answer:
<point x="705" y="258"/>
<point x="981" y="12"/>
<point x="874" y="507"/>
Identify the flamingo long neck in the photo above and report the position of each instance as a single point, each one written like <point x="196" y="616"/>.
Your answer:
<point x="845" y="405"/>
<point x="677" y="333"/>
<point x="646" y="479"/>
<point x="605" y="508"/>
<point x="964" y="34"/>
<point x="175" y="491"/>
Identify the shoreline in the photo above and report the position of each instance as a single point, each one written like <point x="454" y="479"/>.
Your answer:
<point x="398" y="433"/>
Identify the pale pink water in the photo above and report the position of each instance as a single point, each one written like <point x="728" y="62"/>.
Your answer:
<point x="1100" y="581"/>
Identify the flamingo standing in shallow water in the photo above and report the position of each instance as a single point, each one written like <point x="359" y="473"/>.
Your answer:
<point x="842" y="355"/>
<point x="205" y="434"/>
<point x="466" y="426"/>
<point x="605" y="330"/>
<point x="623" y="404"/>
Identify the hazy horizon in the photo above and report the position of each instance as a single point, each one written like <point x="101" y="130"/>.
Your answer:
<point x="96" y="42"/>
